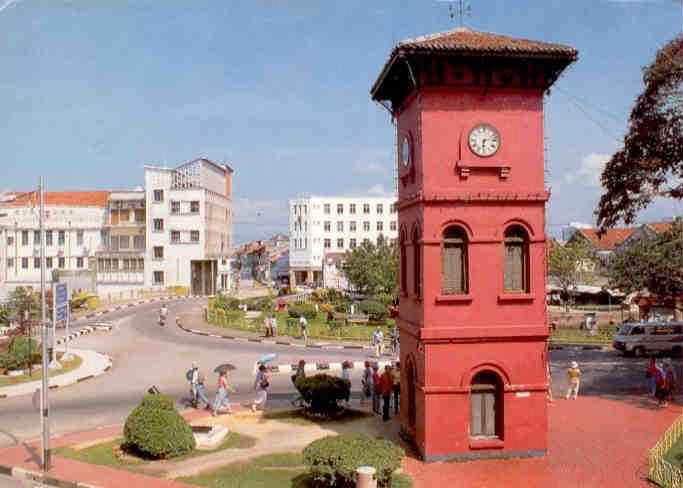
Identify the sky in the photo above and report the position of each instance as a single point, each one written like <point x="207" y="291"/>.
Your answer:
<point x="93" y="90"/>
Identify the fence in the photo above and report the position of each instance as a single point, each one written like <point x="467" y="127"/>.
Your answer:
<point x="662" y="471"/>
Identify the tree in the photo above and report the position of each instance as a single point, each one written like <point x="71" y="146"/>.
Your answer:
<point x="650" y="164"/>
<point x="655" y="265"/>
<point x="569" y="266"/>
<point x="373" y="268"/>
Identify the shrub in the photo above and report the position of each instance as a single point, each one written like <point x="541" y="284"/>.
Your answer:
<point x="333" y="460"/>
<point x="226" y="303"/>
<point x="12" y="362"/>
<point x="374" y="310"/>
<point x="153" y="430"/>
<point x="161" y="402"/>
<point x="18" y="355"/>
<point x="387" y="299"/>
<point x="266" y="304"/>
<point x="285" y="291"/>
<point x="342" y="307"/>
<point x="297" y="309"/>
<point x="322" y="393"/>
<point x="326" y="308"/>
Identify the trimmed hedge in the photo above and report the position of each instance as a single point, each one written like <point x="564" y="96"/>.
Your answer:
<point x="266" y="304"/>
<point x="153" y="430"/>
<point x="18" y="356"/>
<point x="374" y="310"/>
<point x="226" y="303"/>
<point x="333" y="461"/>
<point x="297" y="309"/>
<point x="323" y="392"/>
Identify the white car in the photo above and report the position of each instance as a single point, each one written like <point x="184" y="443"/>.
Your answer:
<point x="641" y="338"/>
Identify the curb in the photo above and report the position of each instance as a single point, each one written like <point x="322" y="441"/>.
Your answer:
<point x="22" y="474"/>
<point x="83" y="331"/>
<point x="118" y="308"/>
<point x="276" y="342"/>
<point x="324" y="366"/>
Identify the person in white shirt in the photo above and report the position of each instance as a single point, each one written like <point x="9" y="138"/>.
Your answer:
<point x="304" y="325"/>
<point x="378" y="342"/>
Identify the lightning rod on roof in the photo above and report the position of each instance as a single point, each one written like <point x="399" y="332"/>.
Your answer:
<point x="462" y="10"/>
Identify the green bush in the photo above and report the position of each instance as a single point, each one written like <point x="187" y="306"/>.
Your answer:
<point x="387" y="299"/>
<point x="323" y="295"/>
<point x="342" y="307"/>
<point x="333" y="460"/>
<point x="374" y="310"/>
<point x="12" y="362"/>
<point x="226" y="303"/>
<point x="266" y="304"/>
<point x="155" y="431"/>
<point x="161" y="402"/>
<point x="298" y="309"/>
<point x="323" y="393"/>
<point x="285" y="291"/>
<point x="326" y="308"/>
<point x="18" y="355"/>
<point x="229" y="315"/>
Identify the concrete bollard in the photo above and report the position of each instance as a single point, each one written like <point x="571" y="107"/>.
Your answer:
<point x="366" y="477"/>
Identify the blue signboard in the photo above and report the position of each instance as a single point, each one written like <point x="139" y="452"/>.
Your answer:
<point x="60" y="315"/>
<point x="60" y="306"/>
<point x="61" y="295"/>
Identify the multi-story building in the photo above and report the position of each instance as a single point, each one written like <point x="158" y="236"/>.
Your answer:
<point x="177" y="231"/>
<point x="324" y="225"/>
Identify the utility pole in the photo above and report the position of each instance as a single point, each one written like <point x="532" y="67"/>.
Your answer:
<point x="44" y="400"/>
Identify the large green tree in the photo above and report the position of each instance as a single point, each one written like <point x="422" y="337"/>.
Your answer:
<point x="650" y="163"/>
<point x="373" y="268"/>
<point x="655" y="265"/>
<point x="571" y="265"/>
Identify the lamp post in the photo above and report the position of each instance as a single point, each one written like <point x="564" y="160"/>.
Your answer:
<point x="44" y="399"/>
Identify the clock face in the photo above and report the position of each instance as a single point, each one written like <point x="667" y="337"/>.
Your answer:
<point x="484" y="140"/>
<point x="405" y="151"/>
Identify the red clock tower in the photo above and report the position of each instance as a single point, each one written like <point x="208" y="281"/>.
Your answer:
<point x="469" y="115"/>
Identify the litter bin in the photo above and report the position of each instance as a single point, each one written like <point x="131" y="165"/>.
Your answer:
<point x="366" y="477"/>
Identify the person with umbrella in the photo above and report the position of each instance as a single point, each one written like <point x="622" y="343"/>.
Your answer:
<point x="222" y="400"/>
<point x="261" y="385"/>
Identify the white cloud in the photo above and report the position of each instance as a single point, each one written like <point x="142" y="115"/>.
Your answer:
<point x="374" y="160"/>
<point x="377" y="190"/>
<point x="8" y="4"/>
<point x="589" y="170"/>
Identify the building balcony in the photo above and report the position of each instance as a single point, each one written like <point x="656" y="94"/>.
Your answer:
<point x="121" y="277"/>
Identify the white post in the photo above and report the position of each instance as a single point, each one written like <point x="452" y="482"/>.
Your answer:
<point x="44" y="400"/>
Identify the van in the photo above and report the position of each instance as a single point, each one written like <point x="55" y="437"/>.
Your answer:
<point x="641" y="338"/>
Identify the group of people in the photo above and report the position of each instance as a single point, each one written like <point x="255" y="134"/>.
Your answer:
<point x="199" y="392"/>
<point x="661" y="380"/>
<point x="270" y="324"/>
<point x="384" y="385"/>
<point x="377" y="341"/>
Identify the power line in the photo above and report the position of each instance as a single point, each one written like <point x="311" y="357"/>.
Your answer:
<point x="583" y="110"/>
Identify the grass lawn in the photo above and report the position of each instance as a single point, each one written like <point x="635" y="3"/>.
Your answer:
<point x="38" y="373"/>
<point x="299" y="417"/>
<point x="576" y="336"/>
<point x="283" y="470"/>
<point x="104" y="454"/>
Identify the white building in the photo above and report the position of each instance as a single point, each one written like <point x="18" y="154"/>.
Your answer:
<point x="177" y="231"/>
<point x="331" y="225"/>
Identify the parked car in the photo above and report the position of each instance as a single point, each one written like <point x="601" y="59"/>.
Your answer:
<point x="641" y="338"/>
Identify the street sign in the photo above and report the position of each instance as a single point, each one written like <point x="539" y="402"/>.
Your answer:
<point x="60" y="306"/>
<point x="61" y="294"/>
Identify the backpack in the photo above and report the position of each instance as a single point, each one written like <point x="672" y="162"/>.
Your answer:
<point x="188" y="375"/>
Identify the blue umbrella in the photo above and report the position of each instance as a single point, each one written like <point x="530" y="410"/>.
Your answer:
<point x="267" y="358"/>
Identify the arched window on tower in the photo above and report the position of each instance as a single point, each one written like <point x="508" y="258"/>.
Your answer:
<point x="486" y="406"/>
<point x="417" y="264"/>
<point x="403" y="264"/>
<point x="454" y="272"/>
<point x="516" y="259"/>
<point x="410" y="390"/>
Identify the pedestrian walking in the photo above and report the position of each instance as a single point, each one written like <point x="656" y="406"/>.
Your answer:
<point x="192" y="376"/>
<point x="202" y="394"/>
<point x="222" y="400"/>
<point x="394" y="336"/>
<point x="273" y="325"/>
<point x="651" y="375"/>
<point x="299" y="373"/>
<point x="267" y="325"/>
<point x="261" y="385"/>
<point x="396" y="373"/>
<point x="378" y="342"/>
<point x="303" y="323"/>
<point x="574" y="374"/>
<point x="366" y="382"/>
<point x="346" y="375"/>
<point x="665" y="382"/>
<point x="375" y="388"/>
<point x="386" y="387"/>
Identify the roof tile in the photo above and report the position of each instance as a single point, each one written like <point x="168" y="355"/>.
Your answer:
<point x="61" y="198"/>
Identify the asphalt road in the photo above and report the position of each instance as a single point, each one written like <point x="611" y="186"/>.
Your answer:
<point x="146" y="354"/>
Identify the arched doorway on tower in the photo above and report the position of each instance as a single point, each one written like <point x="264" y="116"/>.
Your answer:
<point x="486" y="406"/>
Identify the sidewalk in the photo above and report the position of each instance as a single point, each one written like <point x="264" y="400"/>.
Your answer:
<point x="94" y="364"/>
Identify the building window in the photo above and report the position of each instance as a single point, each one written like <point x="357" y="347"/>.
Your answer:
<point x="366" y="226"/>
<point x="79" y="263"/>
<point x="175" y="207"/>
<point x="104" y="238"/>
<point x="61" y="263"/>
<point x="454" y="277"/>
<point x="486" y="406"/>
<point x="124" y="242"/>
<point x="126" y="264"/>
<point x="114" y="243"/>
<point x="115" y="264"/>
<point x="79" y="238"/>
<point x="412" y="387"/>
<point x="48" y="237"/>
<point x="340" y="208"/>
<point x="352" y="226"/>
<point x="327" y="226"/>
<point x="158" y="196"/>
<point x="48" y="263"/>
<point x="340" y="243"/>
<point x="366" y="208"/>
<point x="158" y="277"/>
<point x="10" y="262"/>
<point x="327" y="243"/>
<point x="380" y="226"/>
<point x="380" y="208"/>
<point x="393" y="209"/>
<point x="10" y="240"/>
<point x="326" y="209"/>
<point x="24" y="238"/>
<point x="352" y="208"/>
<point x="194" y="206"/>
<point x="516" y="259"/>
<point x="340" y="226"/>
<point x="158" y="225"/>
<point x="175" y="236"/>
<point x="36" y="263"/>
<point x="24" y="263"/>
<point x="61" y="237"/>
<point x="403" y="271"/>
<point x="158" y="252"/>
<point x="417" y="264"/>
<point x="392" y="225"/>
<point x="139" y="242"/>
<point x="352" y="243"/>
<point x="194" y="235"/>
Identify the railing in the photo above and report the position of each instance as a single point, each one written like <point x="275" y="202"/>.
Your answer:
<point x="662" y="471"/>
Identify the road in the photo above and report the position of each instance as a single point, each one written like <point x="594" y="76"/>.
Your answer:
<point x="145" y="354"/>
